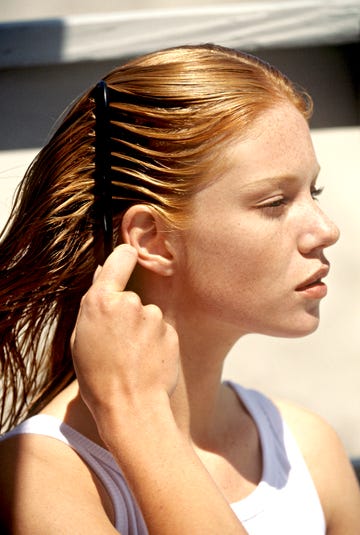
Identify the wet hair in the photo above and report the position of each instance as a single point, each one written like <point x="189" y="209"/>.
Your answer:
<point x="171" y="113"/>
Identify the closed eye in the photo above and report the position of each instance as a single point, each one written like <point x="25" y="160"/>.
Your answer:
<point x="274" y="207"/>
<point x="274" y="204"/>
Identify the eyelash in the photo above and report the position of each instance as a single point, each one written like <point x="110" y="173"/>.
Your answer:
<point x="273" y="207"/>
<point x="316" y="192"/>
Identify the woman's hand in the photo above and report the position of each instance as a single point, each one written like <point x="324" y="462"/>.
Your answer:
<point x="124" y="353"/>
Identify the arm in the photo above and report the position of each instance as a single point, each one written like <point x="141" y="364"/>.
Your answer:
<point x="337" y="484"/>
<point x="127" y="350"/>
<point x="330" y="468"/>
<point x="344" y="495"/>
<point x="38" y="493"/>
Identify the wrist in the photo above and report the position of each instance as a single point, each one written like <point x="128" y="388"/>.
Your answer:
<point x="134" y="419"/>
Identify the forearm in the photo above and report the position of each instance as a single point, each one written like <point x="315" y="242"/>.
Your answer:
<point x="174" y="490"/>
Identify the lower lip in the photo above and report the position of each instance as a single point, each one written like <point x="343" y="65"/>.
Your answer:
<point x="314" y="291"/>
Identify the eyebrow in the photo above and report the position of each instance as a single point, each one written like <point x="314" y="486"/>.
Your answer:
<point x="275" y="181"/>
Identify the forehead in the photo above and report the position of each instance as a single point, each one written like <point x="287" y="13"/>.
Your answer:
<point x="278" y="143"/>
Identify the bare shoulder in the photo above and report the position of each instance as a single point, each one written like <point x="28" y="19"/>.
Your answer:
<point x="311" y="431"/>
<point x="46" y="488"/>
<point x="329" y="466"/>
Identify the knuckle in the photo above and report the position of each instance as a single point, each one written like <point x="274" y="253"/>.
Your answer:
<point x="101" y="302"/>
<point x="132" y="300"/>
<point x="154" y="312"/>
<point x="97" y="300"/>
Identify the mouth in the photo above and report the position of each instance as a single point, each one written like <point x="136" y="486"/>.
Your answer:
<point x="314" y="284"/>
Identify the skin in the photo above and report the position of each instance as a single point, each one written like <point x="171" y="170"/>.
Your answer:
<point x="256" y="234"/>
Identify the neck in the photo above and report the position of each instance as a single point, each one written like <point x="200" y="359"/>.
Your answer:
<point x="200" y="402"/>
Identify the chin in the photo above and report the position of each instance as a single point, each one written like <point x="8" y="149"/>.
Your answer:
<point x="296" y="329"/>
<point x="304" y="328"/>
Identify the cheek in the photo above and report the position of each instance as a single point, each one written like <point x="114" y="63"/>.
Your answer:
<point x="228" y="259"/>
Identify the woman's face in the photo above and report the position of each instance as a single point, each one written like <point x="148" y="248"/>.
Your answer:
<point x="253" y="256"/>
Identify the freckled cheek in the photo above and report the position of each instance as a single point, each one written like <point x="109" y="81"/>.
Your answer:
<point x="234" y="265"/>
<point x="259" y="262"/>
<point x="231" y="251"/>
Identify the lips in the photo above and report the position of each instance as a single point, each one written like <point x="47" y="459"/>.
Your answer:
<point x="314" y="279"/>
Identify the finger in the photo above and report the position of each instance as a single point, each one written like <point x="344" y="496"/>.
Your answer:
<point x="117" y="269"/>
<point x="97" y="273"/>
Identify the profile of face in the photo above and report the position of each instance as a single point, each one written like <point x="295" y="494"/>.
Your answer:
<point x="253" y="257"/>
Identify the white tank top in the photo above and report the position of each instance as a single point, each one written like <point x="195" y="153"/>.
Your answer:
<point x="285" y="501"/>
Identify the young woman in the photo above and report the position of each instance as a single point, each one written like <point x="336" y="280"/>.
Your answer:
<point x="196" y="164"/>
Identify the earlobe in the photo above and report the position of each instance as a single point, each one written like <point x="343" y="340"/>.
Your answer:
<point x="144" y="229"/>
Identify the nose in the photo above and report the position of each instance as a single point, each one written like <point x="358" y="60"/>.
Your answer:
<point x="318" y="231"/>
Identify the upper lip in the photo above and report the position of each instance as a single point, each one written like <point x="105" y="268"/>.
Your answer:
<point x="315" y="277"/>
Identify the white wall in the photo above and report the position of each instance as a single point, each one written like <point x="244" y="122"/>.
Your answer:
<point x="23" y="9"/>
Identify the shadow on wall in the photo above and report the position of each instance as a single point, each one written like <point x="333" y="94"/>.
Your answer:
<point x="34" y="95"/>
<point x="32" y="98"/>
<point x="26" y="105"/>
<point x="330" y="74"/>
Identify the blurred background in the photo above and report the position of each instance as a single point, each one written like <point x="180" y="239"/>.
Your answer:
<point x="51" y="51"/>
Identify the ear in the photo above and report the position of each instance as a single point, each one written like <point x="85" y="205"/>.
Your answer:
<point x="144" y="229"/>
